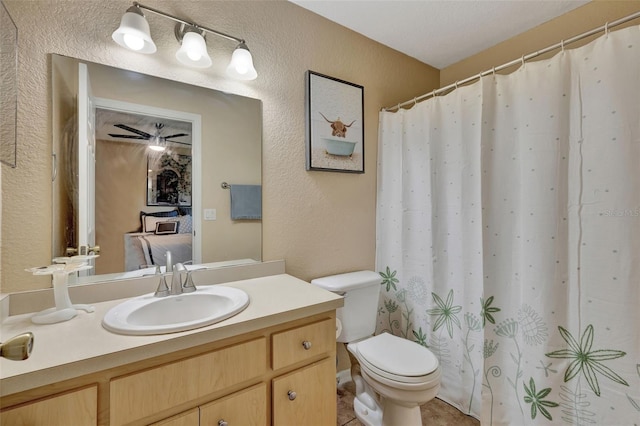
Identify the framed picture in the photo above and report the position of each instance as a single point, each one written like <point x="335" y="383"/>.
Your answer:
<point x="168" y="180"/>
<point x="334" y="124"/>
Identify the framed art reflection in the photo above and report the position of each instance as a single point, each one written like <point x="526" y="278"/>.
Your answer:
<point x="168" y="180"/>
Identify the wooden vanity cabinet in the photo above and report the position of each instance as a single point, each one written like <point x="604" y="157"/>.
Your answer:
<point x="283" y="375"/>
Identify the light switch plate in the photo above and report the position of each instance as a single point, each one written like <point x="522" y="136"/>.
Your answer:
<point x="209" y="214"/>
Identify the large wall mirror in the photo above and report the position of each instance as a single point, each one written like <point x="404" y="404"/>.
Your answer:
<point x="147" y="168"/>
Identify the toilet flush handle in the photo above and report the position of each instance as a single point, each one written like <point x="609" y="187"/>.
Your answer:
<point x="306" y="345"/>
<point x="221" y="422"/>
<point x="292" y="395"/>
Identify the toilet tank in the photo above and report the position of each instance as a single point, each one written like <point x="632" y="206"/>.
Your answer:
<point x="361" y="291"/>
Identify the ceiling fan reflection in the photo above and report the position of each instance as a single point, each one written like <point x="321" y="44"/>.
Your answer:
<point x="157" y="142"/>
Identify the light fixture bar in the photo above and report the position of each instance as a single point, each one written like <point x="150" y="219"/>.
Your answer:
<point x="192" y="24"/>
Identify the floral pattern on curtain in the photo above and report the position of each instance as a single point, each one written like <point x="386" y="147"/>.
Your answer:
<point x="508" y="237"/>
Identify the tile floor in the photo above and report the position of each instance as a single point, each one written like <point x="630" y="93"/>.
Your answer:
<point x="434" y="412"/>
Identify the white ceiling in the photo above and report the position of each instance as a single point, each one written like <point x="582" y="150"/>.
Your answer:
<point x="440" y="32"/>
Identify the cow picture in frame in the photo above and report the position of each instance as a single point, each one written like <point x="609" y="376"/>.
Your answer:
<point x="334" y="124"/>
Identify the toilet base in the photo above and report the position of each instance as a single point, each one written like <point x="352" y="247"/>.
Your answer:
<point x="389" y="414"/>
<point x="394" y="414"/>
<point x="367" y="415"/>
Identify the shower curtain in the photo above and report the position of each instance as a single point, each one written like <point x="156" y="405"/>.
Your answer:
<point x="508" y="237"/>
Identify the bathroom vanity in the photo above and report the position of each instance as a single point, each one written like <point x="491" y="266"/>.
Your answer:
<point x="273" y="363"/>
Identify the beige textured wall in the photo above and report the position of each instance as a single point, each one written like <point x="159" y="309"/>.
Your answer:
<point x="319" y="223"/>
<point x="578" y="21"/>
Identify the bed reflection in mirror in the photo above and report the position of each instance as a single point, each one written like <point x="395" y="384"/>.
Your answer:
<point x="160" y="150"/>
<point x="125" y="143"/>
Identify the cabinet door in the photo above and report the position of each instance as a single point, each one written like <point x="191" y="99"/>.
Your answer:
<point x="76" y="408"/>
<point x="306" y="396"/>
<point x="244" y="408"/>
<point x="189" y="418"/>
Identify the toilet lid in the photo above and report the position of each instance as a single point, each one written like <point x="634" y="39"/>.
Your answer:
<point x="396" y="358"/>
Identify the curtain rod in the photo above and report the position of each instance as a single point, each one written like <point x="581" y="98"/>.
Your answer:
<point x="522" y="60"/>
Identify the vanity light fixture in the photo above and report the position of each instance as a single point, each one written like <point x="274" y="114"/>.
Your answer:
<point x="133" y="34"/>
<point x="241" y="65"/>
<point x="193" y="51"/>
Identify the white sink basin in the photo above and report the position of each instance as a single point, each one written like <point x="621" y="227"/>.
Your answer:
<point x="147" y="314"/>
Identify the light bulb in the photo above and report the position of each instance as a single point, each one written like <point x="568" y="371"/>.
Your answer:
<point x="133" y="42"/>
<point x="193" y="51"/>
<point x="193" y="55"/>
<point x="241" y="65"/>
<point x="133" y="32"/>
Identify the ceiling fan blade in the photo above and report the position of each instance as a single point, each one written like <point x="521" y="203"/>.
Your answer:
<point x="181" y="143"/>
<point x="127" y="136"/>
<point x="132" y="130"/>
<point x="176" y="135"/>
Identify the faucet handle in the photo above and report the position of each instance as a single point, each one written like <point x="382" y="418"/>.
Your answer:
<point x="189" y="286"/>
<point x="163" y="288"/>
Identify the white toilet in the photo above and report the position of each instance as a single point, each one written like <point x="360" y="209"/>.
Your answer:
<point x="393" y="376"/>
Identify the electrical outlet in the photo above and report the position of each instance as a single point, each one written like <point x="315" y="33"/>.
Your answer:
<point x="209" y="214"/>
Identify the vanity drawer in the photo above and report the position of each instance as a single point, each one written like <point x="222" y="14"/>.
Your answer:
<point x="247" y="407"/>
<point x="302" y="343"/>
<point x="143" y="394"/>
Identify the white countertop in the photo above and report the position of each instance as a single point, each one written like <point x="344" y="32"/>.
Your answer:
<point x="82" y="346"/>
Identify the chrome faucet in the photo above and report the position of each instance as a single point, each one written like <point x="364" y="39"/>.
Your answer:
<point x="176" y="279"/>
<point x="169" y="262"/>
<point x="178" y="286"/>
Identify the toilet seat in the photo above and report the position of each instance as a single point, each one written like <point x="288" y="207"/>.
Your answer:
<point x="397" y="359"/>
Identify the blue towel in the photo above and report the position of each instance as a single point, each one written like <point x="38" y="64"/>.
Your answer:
<point x="246" y="202"/>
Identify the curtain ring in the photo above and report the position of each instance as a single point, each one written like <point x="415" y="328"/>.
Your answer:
<point x="415" y="101"/>
<point x="493" y="71"/>
<point x="433" y="94"/>
<point x="456" y="84"/>
<point x="606" y="28"/>
<point x="562" y="45"/>
<point x="398" y="107"/>
<point x="523" y="60"/>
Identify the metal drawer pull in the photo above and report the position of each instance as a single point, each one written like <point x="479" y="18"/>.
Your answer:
<point x="292" y="395"/>
<point x="221" y="422"/>
<point x="306" y="345"/>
